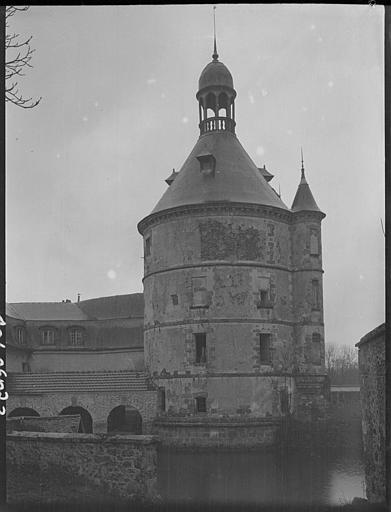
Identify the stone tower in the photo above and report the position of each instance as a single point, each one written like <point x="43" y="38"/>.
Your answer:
<point x="233" y="331"/>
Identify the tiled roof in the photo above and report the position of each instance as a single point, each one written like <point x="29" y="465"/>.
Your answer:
<point x="304" y="200"/>
<point x="117" y="306"/>
<point x="69" y="382"/>
<point x="375" y="333"/>
<point x="45" y="311"/>
<point x="102" y="308"/>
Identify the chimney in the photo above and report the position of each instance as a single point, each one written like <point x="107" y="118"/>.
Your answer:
<point x="78" y="297"/>
<point x="67" y="301"/>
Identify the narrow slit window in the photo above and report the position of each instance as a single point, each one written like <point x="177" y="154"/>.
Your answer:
<point x="148" y="244"/>
<point x="315" y="294"/>
<point x="314" y="244"/>
<point x="162" y="397"/>
<point x="201" y="404"/>
<point x="200" y="347"/>
<point x="316" y="349"/>
<point x="265" y="348"/>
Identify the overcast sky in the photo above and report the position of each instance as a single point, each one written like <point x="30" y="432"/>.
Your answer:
<point x="119" y="112"/>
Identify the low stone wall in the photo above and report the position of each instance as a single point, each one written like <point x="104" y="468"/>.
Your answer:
<point x="64" y="424"/>
<point x="229" y="433"/>
<point x="124" y="466"/>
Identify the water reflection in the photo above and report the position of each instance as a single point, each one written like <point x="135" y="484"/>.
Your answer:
<point x="317" y="474"/>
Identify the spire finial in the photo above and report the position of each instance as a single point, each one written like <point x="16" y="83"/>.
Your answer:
<point x="215" y="54"/>
<point x="302" y="164"/>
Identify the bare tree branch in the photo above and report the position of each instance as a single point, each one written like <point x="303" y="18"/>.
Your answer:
<point x="18" y="56"/>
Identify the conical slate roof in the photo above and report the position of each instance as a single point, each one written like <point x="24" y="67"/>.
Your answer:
<point x="235" y="179"/>
<point x="304" y="200"/>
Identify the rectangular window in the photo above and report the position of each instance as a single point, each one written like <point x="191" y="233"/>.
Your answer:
<point x="174" y="299"/>
<point x="265" y="352"/>
<point x="200" y="295"/>
<point x="20" y="335"/>
<point x="316" y="349"/>
<point x="48" y="337"/>
<point x="201" y="404"/>
<point x="200" y="347"/>
<point x="264" y="292"/>
<point x="314" y="244"/>
<point x="315" y="294"/>
<point x="76" y="338"/>
<point x="148" y="244"/>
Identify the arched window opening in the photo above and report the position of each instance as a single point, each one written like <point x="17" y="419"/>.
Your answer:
<point x="223" y="105"/>
<point x="210" y="102"/>
<point x="22" y="411"/>
<point x="85" y="426"/>
<point x="222" y="112"/>
<point x="314" y="244"/>
<point x="124" y="420"/>
<point x="210" y="113"/>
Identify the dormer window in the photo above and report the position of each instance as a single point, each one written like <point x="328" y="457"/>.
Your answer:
<point x="21" y="335"/>
<point x="315" y="295"/>
<point x="207" y="164"/>
<point x="48" y="336"/>
<point x="76" y="337"/>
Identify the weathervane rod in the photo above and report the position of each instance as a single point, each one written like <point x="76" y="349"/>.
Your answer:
<point x="302" y="163"/>
<point x="215" y="54"/>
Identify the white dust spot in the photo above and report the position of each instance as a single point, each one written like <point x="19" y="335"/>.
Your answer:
<point x="264" y="92"/>
<point x="330" y="84"/>
<point x="111" y="274"/>
<point x="289" y="131"/>
<point x="162" y="95"/>
<point x="85" y="119"/>
<point x="260" y="150"/>
<point x="185" y="120"/>
<point x="320" y="39"/>
<point x="251" y="98"/>
<point x="312" y="27"/>
<point x="304" y="108"/>
<point x="96" y="103"/>
<point x="151" y="81"/>
<point x="58" y="155"/>
<point x="361" y="277"/>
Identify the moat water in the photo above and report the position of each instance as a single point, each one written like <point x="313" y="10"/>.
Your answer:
<point x="328" y="472"/>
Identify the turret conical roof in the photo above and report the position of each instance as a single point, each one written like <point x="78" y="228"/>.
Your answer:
<point x="304" y="200"/>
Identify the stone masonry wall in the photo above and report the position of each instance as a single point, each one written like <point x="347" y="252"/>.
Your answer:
<point x="98" y="405"/>
<point x="217" y="434"/>
<point x="124" y="466"/>
<point x="372" y="390"/>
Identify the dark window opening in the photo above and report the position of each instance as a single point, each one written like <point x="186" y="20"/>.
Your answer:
<point x="174" y="299"/>
<point x="207" y="164"/>
<point x="124" y="419"/>
<point x="201" y="404"/>
<point x="315" y="295"/>
<point x="265" y="348"/>
<point x="284" y="401"/>
<point x="162" y="399"/>
<point x="26" y="368"/>
<point x="200" y="346"/>
<point x="148" y="243"/>
<point x="316" y="349"/>
<point x="85" y="425"/>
